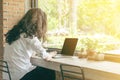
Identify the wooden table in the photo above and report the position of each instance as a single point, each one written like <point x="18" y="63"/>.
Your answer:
<point x="94" y="70"/>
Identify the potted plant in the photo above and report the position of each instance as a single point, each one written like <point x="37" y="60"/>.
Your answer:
<point x="90" y="46"/>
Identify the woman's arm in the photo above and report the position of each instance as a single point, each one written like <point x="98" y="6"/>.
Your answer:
<point x="36" y="45"/>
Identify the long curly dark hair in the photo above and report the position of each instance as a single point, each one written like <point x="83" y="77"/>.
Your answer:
<point x="33" y="23"/>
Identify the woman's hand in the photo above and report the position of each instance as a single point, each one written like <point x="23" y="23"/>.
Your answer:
<point x="52" y="54"/>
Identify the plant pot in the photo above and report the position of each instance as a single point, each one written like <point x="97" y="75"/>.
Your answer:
<point x="91" y="52"/>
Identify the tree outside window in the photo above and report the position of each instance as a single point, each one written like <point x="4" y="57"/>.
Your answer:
<point x="95" y="23"/>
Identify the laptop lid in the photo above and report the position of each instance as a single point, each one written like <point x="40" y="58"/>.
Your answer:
<point x="69" y="46"/>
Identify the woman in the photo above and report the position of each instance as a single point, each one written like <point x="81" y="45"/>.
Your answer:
<point x="22" y="41"/>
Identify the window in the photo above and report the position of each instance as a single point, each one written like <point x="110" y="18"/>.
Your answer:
<point x="95" y="23"/>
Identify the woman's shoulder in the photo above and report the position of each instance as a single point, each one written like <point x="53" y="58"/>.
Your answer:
<point x="23" y="35"/>
<point x="29" y="39"/>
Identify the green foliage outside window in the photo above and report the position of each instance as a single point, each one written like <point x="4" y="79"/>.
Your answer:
<point x="83" y="19"/>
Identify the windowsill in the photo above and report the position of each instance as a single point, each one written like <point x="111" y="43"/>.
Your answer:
<point x="113" y="55"/>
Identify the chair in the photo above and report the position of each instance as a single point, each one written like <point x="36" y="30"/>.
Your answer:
<point x="4" y="68"/>
<point x="70" y="72"/>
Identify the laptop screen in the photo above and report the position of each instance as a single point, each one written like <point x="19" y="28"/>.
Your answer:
<point x="69" y="46"/>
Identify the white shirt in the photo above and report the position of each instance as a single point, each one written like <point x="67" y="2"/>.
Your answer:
<point x="18" y="56"/>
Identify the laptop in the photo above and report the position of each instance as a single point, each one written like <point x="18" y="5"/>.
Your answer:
<point x="68" y="48"/>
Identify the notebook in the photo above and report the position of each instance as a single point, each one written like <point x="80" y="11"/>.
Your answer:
<point x="68" y="48"/>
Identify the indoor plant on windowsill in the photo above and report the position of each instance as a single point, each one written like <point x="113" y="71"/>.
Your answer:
<point x="90" y="45"/>
<point x="94" y="50"/>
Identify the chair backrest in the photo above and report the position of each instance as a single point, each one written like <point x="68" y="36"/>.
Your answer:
<point x="4" y="68"/>
<point x="70" y="72"/>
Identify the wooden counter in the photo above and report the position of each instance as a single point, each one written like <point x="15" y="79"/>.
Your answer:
<point x="94" y="70"/>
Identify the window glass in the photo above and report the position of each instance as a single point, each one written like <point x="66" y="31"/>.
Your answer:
<point x="94" y="22"/>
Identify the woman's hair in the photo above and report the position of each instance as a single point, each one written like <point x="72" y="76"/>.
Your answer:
<point x="33" y="23"/>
